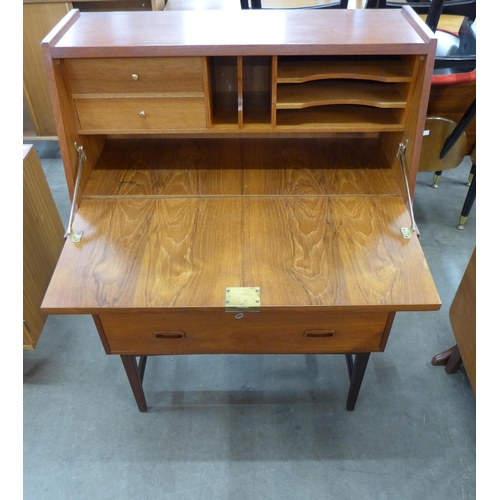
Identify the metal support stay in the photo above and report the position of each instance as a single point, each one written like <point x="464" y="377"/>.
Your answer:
<point x="76" y="236"/>
<point x="405" y="231"/>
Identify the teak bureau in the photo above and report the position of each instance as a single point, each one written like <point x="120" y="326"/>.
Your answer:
<point x="237" y="180"/>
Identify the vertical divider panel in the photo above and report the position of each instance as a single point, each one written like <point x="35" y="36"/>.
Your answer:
<point x="274" y="89"/>
<point x="413" y="64"/>
<point x="208" y="91"/>
<point x="240" y="91"/>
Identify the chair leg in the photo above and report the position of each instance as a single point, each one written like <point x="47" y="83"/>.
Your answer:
<point x="472" y="173"/>
<point x="437" y="176"/>
<point x="469" y="201"/>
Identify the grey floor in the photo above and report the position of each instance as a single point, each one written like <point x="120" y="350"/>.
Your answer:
<point x="259" y="427"/>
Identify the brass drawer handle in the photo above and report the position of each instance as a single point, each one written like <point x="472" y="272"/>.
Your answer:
<point x="170" y="335"/>
<point x="142" y="114"/>
<point x="319" y="333"/>
<point x="135" y="77"/>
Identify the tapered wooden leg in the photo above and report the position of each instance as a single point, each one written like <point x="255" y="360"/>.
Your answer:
<point x="454" y="362"/>
<point x="135" y="374"/>
<point x="356" y="371"/>
<point x="451" y="359"/>
<point x="442" y="358"/>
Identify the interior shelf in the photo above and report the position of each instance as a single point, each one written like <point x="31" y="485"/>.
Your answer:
<point x="300" y="70"/>
<point x="321" y="92"/>
<point x="340" y="118"/>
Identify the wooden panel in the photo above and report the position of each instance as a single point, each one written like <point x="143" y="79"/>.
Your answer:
<point x="451" y="102"/>
<point x="124" y="114"/>
<point x="149" y="252"/>
<point x="340" y="118"/>
<point x="38" y="20"/>
<point x="117" y="4"/>
<point x="463" y="319"/>
<point x="298" y="96"/>
<point x="344" y="252"/>
<point x="316" y="166"/>
<point x="113" y="5"/>
<point x="437" y="130"/>
<point x="194" y="167"/>
<point x="304" y="32"/>
<point x="169" y="167"/>
<point x="268" y="331"/>
<point x="168" y="74"/>
<point x="299" y="70"/>
<point x="335" y="251"/>
<point x="65" y="115"/>
<point x="43" y="238"/>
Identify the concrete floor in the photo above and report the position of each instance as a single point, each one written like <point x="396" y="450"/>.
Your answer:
<point x="259" y="427"/>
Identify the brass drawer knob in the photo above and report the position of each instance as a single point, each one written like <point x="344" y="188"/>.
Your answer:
<point x="135" y="77"/>
<point x="142" y="114"/>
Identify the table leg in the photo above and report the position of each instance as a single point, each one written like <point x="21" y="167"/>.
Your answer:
<point x="356" y="371"/>
<point x="135" y="374"/>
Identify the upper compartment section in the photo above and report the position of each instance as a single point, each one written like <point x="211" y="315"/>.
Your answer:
<point x="225" y="33"/>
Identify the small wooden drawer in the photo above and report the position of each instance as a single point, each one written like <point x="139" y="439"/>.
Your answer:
<point x="218" y="332"/>
<point x="135" y="75"/>
<point x="141" y="114"/>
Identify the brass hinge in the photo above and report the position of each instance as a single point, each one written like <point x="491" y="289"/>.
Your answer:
<point x="242" y="299"/>
<point x="76" y="236"/>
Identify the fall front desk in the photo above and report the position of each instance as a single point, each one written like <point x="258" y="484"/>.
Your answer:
<point x="241" y="180"/>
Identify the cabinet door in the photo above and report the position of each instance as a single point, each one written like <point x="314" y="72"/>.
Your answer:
<point x="43" y="239"/>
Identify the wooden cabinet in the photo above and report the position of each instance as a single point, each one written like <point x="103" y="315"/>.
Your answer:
<point x="43" y="239"/>
<point x="276" y="162"/>
<point x="463" y="319"/>
<point x="39" y="18"/>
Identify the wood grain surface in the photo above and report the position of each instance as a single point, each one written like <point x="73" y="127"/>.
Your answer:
<point x="182" y="219"/>
<point x="463" y="319"/>
<point x="269" y="331"/>
<point x="140" y="254"/>
<point x="217" y="167"/>
<point x="43" y="239"/>
<point x="234" y="32"/>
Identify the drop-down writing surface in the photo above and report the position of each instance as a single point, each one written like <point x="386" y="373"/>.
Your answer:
<point x="153" y="253"/>
<point x="300" y="219"/>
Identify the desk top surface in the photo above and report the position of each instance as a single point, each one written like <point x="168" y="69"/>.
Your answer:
<point x="281" y="32"/>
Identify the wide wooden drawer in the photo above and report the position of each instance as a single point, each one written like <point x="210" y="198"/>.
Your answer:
<point x="218" y="332"/>
<point x="135" y="75"/>
<point x="141" y="114"/>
